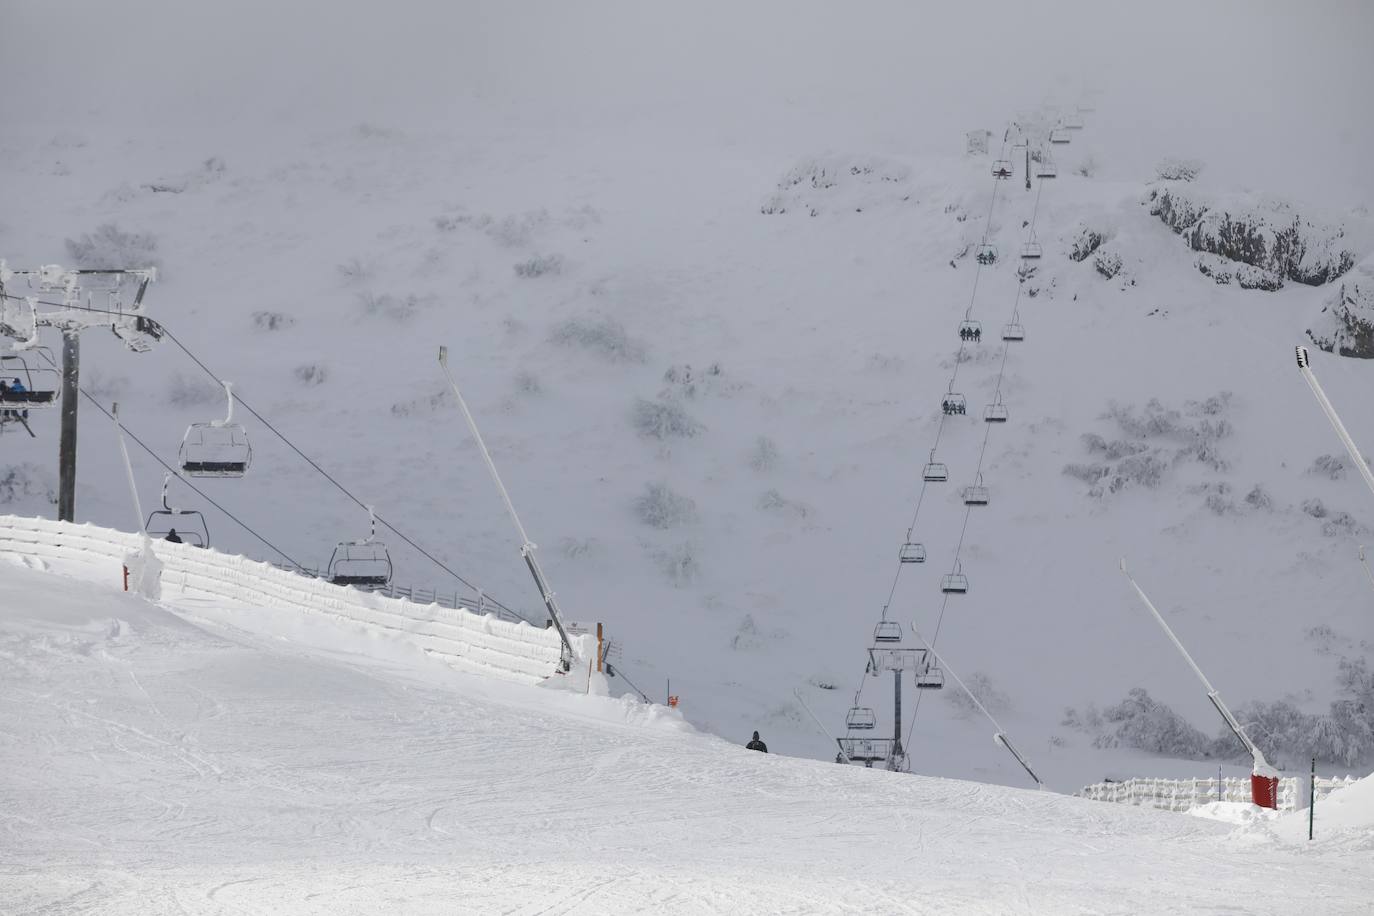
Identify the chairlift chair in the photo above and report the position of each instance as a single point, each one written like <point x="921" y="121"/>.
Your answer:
<point x="188" y="524"/>
<point x="1046" y="167"/>
<point x="970" y="330"/>
<point x="1060" y="136"/>
<point x="365" y="563"/>
<point x="976" y="494"/>
<point x="956" y="583"/>
<point x="987" y="254"/>
<point x="28" y="384"/>
<point x="953" y="403"/>
<point x="996" y="412"/>
<point x="1032" y="250"/>
<point x="219" y="448"/>
<point x="1013" y="331"/>
<point x="912" y="552"/>
<point x="887" y="631"/>
<point x="931" y="678"/>
<point x="935" y="471"/>
<point x="1001" y="169"/>
<point x="1073" y="122"/>
<point x="861" y="718"/>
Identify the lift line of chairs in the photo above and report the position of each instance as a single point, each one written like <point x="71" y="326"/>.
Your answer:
<point x="221" y="448"/>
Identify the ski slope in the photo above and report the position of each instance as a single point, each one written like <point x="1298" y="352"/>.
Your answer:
<point x="210" y="757"/>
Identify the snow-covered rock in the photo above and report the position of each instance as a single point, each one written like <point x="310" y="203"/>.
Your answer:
<point x="1345" y="325"/>
<point x="1263" y="232"/>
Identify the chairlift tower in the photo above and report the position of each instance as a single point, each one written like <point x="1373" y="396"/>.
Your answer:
<point x="89" y="298"/>
<point x="883" y="657"/>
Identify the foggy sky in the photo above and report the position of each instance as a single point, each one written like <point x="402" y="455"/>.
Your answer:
<point x="1273" y="95"/>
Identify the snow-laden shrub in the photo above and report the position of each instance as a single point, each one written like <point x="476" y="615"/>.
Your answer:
<point x="1141" y="722"/>
<point x="1314" y="507"/>
<point x="539" y="265"/>
<point x="678" y="564"/>
<point x="682" y="380"/>
<point x="1224" y="273"/>
<point x="601" y="336"/>
<point x="111" y="247"/>
<point x="272" y="321"/>
<point x="746" y="635"/>
<point x="764" y="456"/>
<point x="24" y="481"/>
<point x="1171" y="169"/>
<point x="981" y="686"/>
<point x="573" y="548"/>
<point x="194" y="391"/>
<point x="775" y="502"/>
<point x="388" y="305"/>
<point x="663" y="420"/>
<point x="528" y="384"/>
<point x="1258" y="498"/>
<point x="1087" y="167"/>
<point x="1086" y="241"/>
<point x="311" y="374"/>
<point x="1155" y="439"/>
<point x="661" y="507"/>
<point x="355" y="271"/>
<point x="1107" y="262"/>
<point x="1341" y="524"/>
<point x="1332" y="467"/>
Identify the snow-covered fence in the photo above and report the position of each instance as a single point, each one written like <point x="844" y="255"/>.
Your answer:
<point x="470" y="642"/>
<point x="1183" y="794"/>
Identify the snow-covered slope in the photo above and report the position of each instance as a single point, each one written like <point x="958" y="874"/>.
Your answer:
<point x="591" y="267"/>
<point x="157" y="762"/>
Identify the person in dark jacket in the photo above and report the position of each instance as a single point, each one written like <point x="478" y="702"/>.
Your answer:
<point x="756" y="744"/>
<point x="173" y="537"/>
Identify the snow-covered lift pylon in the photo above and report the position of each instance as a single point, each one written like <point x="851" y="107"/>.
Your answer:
<point x="527" y="547"/>
<point x="1264" y="779"/>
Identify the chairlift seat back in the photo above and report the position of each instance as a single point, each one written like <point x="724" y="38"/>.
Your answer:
<point x="954" y="584"/>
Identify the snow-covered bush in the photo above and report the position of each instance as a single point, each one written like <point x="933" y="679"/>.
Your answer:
<point x="539" y="265"/>
<point x="663" y="420"/>
<point x="1246" y="276"/>
<point x="1086" y="241"/>
<point x="355" y="271"/>
<point x="387" y="305"/>
<point x="850" y="184"/>
<point x="602" y="336"/>
<point x="272" y="321"/>
<point x="678" y="564"/>
<point x="1332" y="467"/>
<point x="573" y="548"/>
<point x="764" y="456"/>
<point x="528" y="384"/>
<point x="111" y="247"/>
<point x="661" y="507"/>
<point x="442" y="398"/>
<point x="1314" y="508"/>
<point x="1141" y="722"/>
<point x="1154" y="439"/>
<point x="773" y="501"/>
<point x="1107" y="262"/>
<point x="682" y="380"/>
<point x="747" y="634"/>
<point x="1341" y="524"/>
<point x="981" y="686"/>
<point x="1087" y="166"/>
<point x="311" y="374"/>
<point x="1171" y="169"/>
<point x="1258" y="498"/>
<point x="24" y="481"/>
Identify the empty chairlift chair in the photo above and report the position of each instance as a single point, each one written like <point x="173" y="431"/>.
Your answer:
<point x="187" y="524"/>
<point x="996" y="412"/>
<point x="365" y="563"/>
<point x="931" y="678"/>
<point x="1013" y="331"/>
<point x="1073" y="122"/>
<point x="934" y="471"/>
<point x="956" y="583"/>
<point x="1046" y="167"/>
<point x="219" y="448"/>
<point x="887" y="631"/>
<point x="1031" y="250"/>
<point x="861" y="718"/>
<point x="912" y="552"/>
<point x="1060" y="136"/>
<point x="976" y="494"/>
<point x="1001" y="169"/>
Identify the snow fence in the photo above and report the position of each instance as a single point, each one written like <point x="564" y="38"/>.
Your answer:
<point x="475" y="643"/>
<point x="1186" y="794"/>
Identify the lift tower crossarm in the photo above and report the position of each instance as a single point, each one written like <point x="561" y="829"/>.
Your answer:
<point x="1335" y="419"/>
<point x="1262" y="766"/>
<point x="527" y="547"/>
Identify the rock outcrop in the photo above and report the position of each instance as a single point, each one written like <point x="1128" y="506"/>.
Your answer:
<point x="1345" y="325"/>
<point x="1266" y="234"/>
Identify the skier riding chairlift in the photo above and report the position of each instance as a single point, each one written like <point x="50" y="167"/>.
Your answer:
<point x="173" y="537"/>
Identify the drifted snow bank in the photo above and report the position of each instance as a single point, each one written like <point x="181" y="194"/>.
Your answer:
<point x="1345" y="325"/>
<point x="469" y="642"/>
<point x="1345" y="817"/>
<point x="1265" y="233"/>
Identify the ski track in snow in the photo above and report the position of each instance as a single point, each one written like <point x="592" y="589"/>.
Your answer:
<point x="248" y="774"/>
